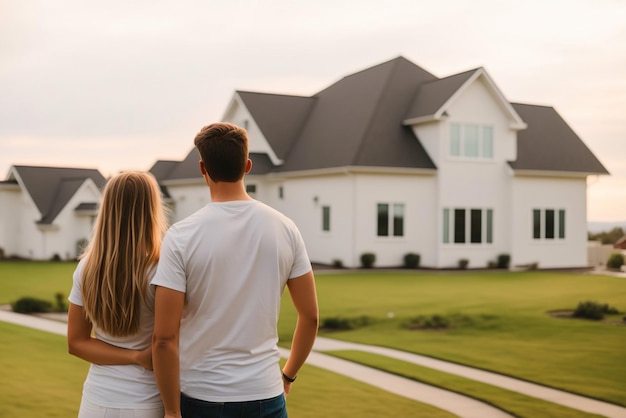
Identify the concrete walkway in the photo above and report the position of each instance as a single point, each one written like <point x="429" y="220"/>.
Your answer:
<point x="531" y="389"/>
<point x="457" y="404"/>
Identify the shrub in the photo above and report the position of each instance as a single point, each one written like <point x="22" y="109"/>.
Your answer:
<point x="345" y="324"/>
<point x="368" y="260"/>
<point x="593" y="310"/>
<point x="503" y="261"/>
<point x="55" y="257"/>
<point x="435" y="321"/>
<point x="31" y="305"/>
<point x="61" y="305"/>
<point x="492" y="264"/>
<point x="463" y="263"/>
<point x="411" y="260"/>
<point x="615" y="262"/>
<point x="337" y="263"/>
<point x="2" y="256"/>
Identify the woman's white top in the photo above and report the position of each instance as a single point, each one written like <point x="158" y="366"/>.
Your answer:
<point x="125" y="386"/>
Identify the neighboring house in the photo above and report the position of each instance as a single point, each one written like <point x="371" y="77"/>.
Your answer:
<point x="48" y="212"/>
<point x="620" y="243"/>
<point x="393" y="160"/>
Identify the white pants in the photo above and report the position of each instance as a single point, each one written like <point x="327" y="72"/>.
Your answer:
<point x="89" y="410"/>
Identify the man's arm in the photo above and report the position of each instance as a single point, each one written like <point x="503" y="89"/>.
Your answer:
<point x="304" y="297"/>
<point x="81" y="344"/>
<point x="168" y="310"/>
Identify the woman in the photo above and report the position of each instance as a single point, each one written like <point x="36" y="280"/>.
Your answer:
<point x="111" y="295"/>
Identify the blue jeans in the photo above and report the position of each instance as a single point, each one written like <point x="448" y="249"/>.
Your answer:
<point x="266" y="408"/>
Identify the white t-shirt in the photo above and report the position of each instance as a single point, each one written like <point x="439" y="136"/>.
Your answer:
<point x="232" y="260"/>
<point x="124" y="386"/>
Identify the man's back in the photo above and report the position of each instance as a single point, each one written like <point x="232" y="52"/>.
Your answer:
<point x="233" y="260"/>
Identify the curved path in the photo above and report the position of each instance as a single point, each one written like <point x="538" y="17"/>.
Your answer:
<point x="531" y="389"/>
<point x="455" y="403"/>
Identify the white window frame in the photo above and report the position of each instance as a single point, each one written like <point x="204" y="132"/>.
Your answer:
<point x="559" y="231"/>
<point x="486" y="226"/>
<point x="459" y="141"/>
<point x="326" y="226"/>
<point x="391" y="216"/>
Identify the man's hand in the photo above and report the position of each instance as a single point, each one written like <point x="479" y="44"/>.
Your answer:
<point x="286" y="387"/>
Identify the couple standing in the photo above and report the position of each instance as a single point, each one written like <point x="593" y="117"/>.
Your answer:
<point x="200" y="307"/>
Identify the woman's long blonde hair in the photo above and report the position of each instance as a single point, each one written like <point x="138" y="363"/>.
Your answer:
<point x="124" y="248"/>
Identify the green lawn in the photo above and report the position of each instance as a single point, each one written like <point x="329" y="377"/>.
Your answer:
<point x="510" y="331"/>
<point x="38" y="279"/>
<point x="40" y="379"/>
<point x="506" y="329"/>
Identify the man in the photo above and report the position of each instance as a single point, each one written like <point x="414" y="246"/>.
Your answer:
<point x="219" y="282"/>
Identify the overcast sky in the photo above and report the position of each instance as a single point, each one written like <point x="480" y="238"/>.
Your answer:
<point x="117" y="84"/>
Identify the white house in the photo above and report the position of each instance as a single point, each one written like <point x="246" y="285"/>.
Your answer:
<point x="48" y="211"/>
<point x="393" y="160"/>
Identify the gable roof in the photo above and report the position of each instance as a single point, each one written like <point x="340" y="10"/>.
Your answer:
<point x="364" y="120"/>
<point x="433" y="99"/>
<point x="51" y="188"/>
<point x="279" y="117"/>
<point x="433" y="95"/>
<point x="360" y="118"/>
<point x="549" y="144"/>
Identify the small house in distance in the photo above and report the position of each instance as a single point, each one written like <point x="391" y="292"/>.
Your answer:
<point x="48" y="212"/>
<point x="394" y="160"/>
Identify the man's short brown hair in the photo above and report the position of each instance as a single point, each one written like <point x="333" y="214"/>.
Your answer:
<point x="223" y="148"/>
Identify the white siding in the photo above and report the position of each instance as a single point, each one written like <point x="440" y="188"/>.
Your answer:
<point x="549" y="193"/>
<point x="417" y="193"/>
<point x="69" y="227"/>
<point x="303" y="201"/>
<point x="476" y="183"/>
<point x="188" y="198"/>
<point x="9" y="219"/>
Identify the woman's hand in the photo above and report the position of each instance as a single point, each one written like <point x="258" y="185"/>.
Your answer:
<point x="144" y="358"/>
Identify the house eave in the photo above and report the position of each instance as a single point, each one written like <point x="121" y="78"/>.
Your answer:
<point x="9" y="186"/>
<point x="348" y="170"/>
<point x="43" y="227"/>
<point x="421" y="119"/>
<point x="552" y="173"/>
<point x="184" y="182"/>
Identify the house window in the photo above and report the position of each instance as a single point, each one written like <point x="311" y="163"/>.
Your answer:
<point x="548" y="224"/>
<point x="251" y="189"/>
<point x="390" y="221"/>
<point x="471" y="141"/>
<point x="325" y="218"/>
<point x="459" y="226"/>
<point x="467" y="225"/>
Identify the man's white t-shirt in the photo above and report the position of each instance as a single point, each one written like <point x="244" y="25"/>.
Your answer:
<point x="232" y="260"/>
<point x="124" y="386"/>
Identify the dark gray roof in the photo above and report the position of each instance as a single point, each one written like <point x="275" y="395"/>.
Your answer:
<point x="358" y="122"/>
<point x="261" y="163"/>
<point x="88" y="206"/>
<point x="279" y="117"/>
<point x="189" y="168"/>
<point x="433" y="95"/>
<point x="162" y="169"/>
<point x="549" y="144"/>
<point x="51" y="188"/>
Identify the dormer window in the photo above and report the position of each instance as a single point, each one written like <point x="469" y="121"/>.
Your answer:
<point x="471" y="141"/>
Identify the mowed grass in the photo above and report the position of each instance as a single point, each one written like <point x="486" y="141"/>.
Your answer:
<point x="40" y="379"/>
<point x="510" y="331"/>
<point x="514" y="403"/>
<point x="37" y="279"/>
